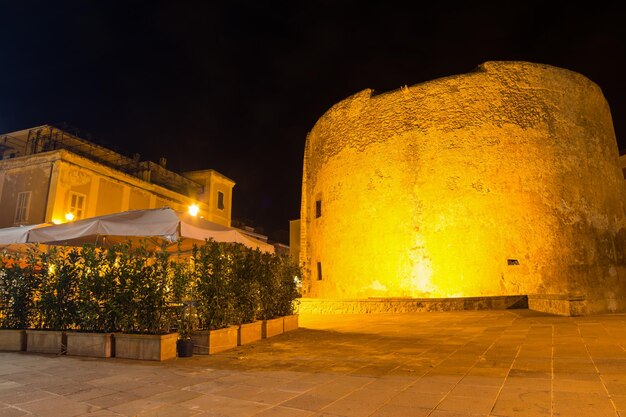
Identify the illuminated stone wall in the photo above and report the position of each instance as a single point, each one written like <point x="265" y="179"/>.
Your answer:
<point x="502" y="181"/>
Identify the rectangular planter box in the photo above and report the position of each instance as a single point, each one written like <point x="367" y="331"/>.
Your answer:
<point x="206" y="342"/>
<point x="149" y="347"/>
<point x="272" y="327"/>
<point x="96" y="345"/>
<point x="46" y="341"/>
<point x="290" y="322"/>
<point x="249" y="332"/>
<point x="12" y="340"/>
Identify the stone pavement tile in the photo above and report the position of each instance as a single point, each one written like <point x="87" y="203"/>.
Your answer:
<point x="175" y="396"/>
<point x="309" y="401"/>
<point x="23" y="376"/>
<point x="112" y="380"/>
<point x="416" y="399"/>
<point x="390" y="382"/>
<point x="482" y="380"/>
<point x="89" y="393"/>
<point x="66" y="389"/>
<point x="572" y="385"/>
<point x="528" y="384"/>
<point x="23" y="397"/>
<point x="147" y="390"/>
<point x="133" y="408"/>
<point x="101" y="413"/>
<point x="521" y="402"/>
<point x="447" y="413"/>
<point x="240" y="391"/>
<point x="58" y="407"/>
<point x="172" y="411"/>
<point x="181" y="382"/>
<point x="13" y="412"/>
<point x="426" y="386"/>
<point x="475" y="391"/>
<point x="265" y="381"/>
<point x="620" y="402"/>
<point x="111" y="400"/>
<point x="393" y="410"/>
<point x="4" y="385"/>
<point x="233" y="378"/>
<point x="524" y="373"/>
<point x="7" y="368"/>
<point x="207" y="387"/>
<point x="230" y="407"/>
<point x="360" y="403"/>
<point x="272" y="396"/>
<point x="476" y="404"/>
<point x="492" y="372"/>
<point x="284" y="412"/>
<point x="577" y="404"/>
<point x="376" y="370"/>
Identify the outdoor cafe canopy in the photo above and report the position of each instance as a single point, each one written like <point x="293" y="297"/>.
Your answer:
<point x="155" y="226"/>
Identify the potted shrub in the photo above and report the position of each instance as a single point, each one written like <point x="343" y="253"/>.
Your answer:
<point x="182" y="302"/>
<point x="18" y="284"/>
<point x="288" y="275"/>
<point x="56" y="300"/>
<point x="96" y="317"/>
<point x="244" y="268"/>
<point x="268" y="297"/>
<point x="144" y="318"/>
<point x="210" y="274"/>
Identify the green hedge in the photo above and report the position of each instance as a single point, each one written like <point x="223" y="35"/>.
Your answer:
<point x="133" y="289"/>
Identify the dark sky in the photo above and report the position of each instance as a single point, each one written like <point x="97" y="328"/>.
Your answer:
<point x="235" y="86"/>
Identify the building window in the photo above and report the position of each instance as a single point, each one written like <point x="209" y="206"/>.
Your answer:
<point x="22" y="208"/>
<point x="319" y="271"/>
<point x="77" y="205"/>
<point x="318" y="209"/>
<point x="220" y="200"/>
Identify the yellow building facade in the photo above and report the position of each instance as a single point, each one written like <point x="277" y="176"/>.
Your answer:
<point x="50" y="175"/>
<point x="503" y="181"/>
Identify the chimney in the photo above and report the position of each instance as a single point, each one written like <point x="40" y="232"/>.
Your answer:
<point x="162" y="161"/>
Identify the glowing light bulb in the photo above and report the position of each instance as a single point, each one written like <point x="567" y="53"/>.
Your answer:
<point x="69" y="216"/>
<point x="194" y="210"/>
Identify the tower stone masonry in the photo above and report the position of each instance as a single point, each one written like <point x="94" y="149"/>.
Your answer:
<point x="502" y="181"/>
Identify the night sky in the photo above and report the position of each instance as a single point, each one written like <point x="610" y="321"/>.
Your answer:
<point x="236" y="86"/>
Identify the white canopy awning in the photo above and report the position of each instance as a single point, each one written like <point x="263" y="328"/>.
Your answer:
<point x="156" y="225"/>
<point x="15" y="238"/>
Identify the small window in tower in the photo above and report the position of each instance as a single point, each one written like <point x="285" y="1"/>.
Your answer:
<point x="220" y="200"/>
<point x="318" y="208"/>
<point x="22" y="208"/>
<point x="319" y="271"/>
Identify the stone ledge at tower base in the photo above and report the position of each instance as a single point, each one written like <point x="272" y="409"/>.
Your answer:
<point x="410" y="305"/>
<point x="560" y="304"/>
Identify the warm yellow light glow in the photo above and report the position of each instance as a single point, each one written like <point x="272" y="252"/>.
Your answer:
<point x="69" y="216"/>
<point x="194" y="210"/>
<point x="51" y="269"/>
<point x="56" y="221"/>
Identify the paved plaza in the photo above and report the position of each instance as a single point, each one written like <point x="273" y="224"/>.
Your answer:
<point x="449" y="364"/>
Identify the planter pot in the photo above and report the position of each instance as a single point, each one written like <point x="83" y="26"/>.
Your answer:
<point x="290" y="322"/>
<point x="184" y="348"/>
<point x="98" y="345"/>
<point x="46" y="341"/>
<point x="206" y="342"/>
<point x="272" y="327"/>
<point x="12" y="340"/>
<point x="150" y="347"/>
<point x="249" y="332"/>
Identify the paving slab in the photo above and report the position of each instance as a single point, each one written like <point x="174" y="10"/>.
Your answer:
<point x="503" y="363"/>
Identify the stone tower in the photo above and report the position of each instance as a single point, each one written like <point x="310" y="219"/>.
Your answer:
<point x="503" y="181"/>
